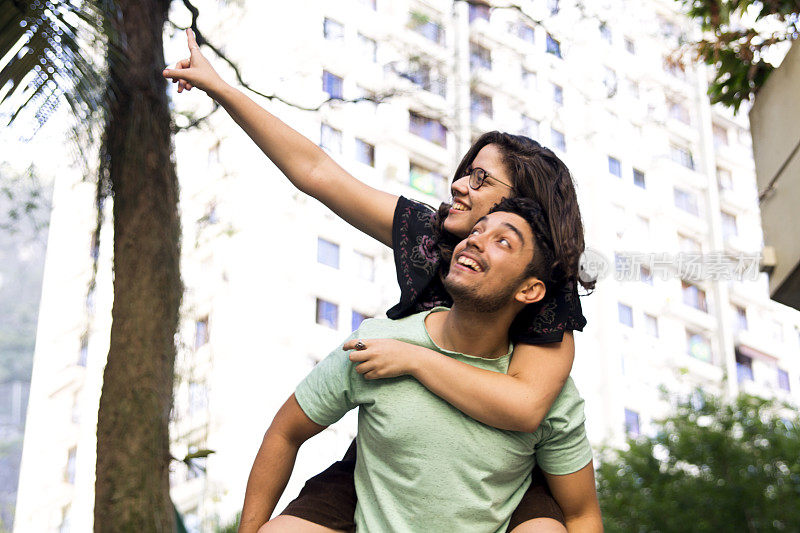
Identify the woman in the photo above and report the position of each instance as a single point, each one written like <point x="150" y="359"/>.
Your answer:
<point x="498" y="165"/>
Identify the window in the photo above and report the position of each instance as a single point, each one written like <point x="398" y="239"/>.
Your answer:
<point x="480" y="106"/>
<point x="558" y="94"/>
<point x="529" y="79"/>
<point x="720" y="135"/>
<point x="610" y="81"/>
<point x="724" y="179"/>
<point x="356" y="319"/>
<point x="651" y="325"/>
<point x="631" y="423"/>
<point x="526" y="33"/>
<point x="775" y="329"/>
<point x="694" y="296"/>
<point x="686" y="201"/>
<point x="614" y="167"/>
<point x="681" y="155"/>
<point x="427" y="181"/>
<point x="638" y="178"/>
<point x="69" y="471"/>
<point x="330" y="139"/>
<point x="201" y="334"/>
<point x="332" y="30"/>
<point x="478" y="11"/>
<point x="553" y="47"/>
<point x="368" y="48"/>
<point x="331" y="84"/>
<point x="427" y="28"/>
<point x="630" y="46"/>
<point x="698" y="346"/>
<point x="625" y="314"/>
<point x="729" y="228"/>
<point x="365" y="266"/>
<point x="530" y="127"/>
<point x="741" y="318"/>
<point x="633" y="88"/>
<point x="327" y="253"/>
<point x="198" y="397"/>
<point x="327" y="313"/>
<point x="83" y="353"/>
<point x="365" y="152"/>
<point x="678" y="111"/>
<point x="427" y="128"/>
<point x="479" y="57"/>
<point x="744" y="367"/>
<point x="689" y="245"/>
<point x="558" y="140"/>
<point x="645" y="275"/>
<point x="424" y="77"/>
<point x="783" y="380"/>
<point x="605" y="32"/>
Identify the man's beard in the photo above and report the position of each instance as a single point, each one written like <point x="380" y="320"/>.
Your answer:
<point x="469" y="296"/>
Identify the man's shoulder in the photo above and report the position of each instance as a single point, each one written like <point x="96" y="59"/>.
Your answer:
<point x="408" y="329"/>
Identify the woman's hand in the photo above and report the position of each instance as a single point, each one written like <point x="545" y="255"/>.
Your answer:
<point x="195" y="71"/>
<point x="383" y="358"/>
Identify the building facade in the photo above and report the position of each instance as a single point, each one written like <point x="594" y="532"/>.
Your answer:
<point x="274" y="280"/>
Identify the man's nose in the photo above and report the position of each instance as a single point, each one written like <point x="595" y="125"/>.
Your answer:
<point x="475" y="240"/>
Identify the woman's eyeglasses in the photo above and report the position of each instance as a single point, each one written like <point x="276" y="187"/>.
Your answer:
<point x="477" y="176"/>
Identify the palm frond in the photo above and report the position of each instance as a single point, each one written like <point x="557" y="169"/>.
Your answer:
<point x="50" y="52"/>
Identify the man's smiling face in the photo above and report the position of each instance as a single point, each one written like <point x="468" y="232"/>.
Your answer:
<point x="489" y="266"/>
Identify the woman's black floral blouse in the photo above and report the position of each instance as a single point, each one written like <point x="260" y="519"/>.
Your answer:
<point x="417" y="260"/>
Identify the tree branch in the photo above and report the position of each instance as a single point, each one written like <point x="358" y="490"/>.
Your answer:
<point x="202" y="41"/>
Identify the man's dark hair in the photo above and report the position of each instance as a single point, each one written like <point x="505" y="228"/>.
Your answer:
<point x="541" y="266"/>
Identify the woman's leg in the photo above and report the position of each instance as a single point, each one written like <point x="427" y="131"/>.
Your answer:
<point x="327" y="501"/>
<point x="538" y="510"/>
<point x="284" y="522"/>
<point x="538" y="525"/>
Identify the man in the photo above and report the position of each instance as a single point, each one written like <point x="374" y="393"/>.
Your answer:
<point x="422" y="464"/>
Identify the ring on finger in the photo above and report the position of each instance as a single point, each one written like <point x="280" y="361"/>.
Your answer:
<point x="361" y="346"/>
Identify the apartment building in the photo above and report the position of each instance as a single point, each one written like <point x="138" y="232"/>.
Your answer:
<point x="274" y="280"/>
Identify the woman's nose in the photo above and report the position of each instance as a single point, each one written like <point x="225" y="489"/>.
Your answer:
<point x="461" y="186"/>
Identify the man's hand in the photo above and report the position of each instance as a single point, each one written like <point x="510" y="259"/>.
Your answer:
<point x="383" y="358"/>
<point x="195" y="71"/>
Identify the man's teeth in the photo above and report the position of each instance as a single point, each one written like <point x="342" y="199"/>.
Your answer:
<point x="460" y="207"/>
<point x="469" y="263"/>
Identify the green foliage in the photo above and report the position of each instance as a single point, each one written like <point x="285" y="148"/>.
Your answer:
<point x="736" y="41"/>
<point x="712" y="466"/>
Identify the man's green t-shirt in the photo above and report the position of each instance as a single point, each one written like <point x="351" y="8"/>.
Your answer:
<point x="422" y="464"/>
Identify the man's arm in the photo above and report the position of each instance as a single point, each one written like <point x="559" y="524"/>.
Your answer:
<point x="576" y="494"/>
<point x="274" y="463"/>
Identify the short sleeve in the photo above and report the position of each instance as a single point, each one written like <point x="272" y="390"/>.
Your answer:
<point x="565" y="448"/>
<point x="546" y="321"/>
<point x="326" y="394"/>
<point x="417" y="259"/>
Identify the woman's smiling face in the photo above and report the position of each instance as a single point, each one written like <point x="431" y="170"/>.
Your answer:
<point x="469" y="205"/>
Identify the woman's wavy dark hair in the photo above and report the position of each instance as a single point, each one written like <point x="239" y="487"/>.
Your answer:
<point x="540" y="175"/>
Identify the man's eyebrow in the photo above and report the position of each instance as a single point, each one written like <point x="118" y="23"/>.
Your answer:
<point x="515" y="230"/>
<point x="482" y="219"/>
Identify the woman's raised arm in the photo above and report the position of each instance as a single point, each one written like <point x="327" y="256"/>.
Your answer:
<point x="306" y="165"/>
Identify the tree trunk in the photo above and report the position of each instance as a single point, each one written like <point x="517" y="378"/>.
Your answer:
<point x="132" y="486"/>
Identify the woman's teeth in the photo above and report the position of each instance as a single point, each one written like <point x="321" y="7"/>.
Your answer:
<point x="460" y="207"/>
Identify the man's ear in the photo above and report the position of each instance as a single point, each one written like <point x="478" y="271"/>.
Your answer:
<point x="531" y="291"/>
